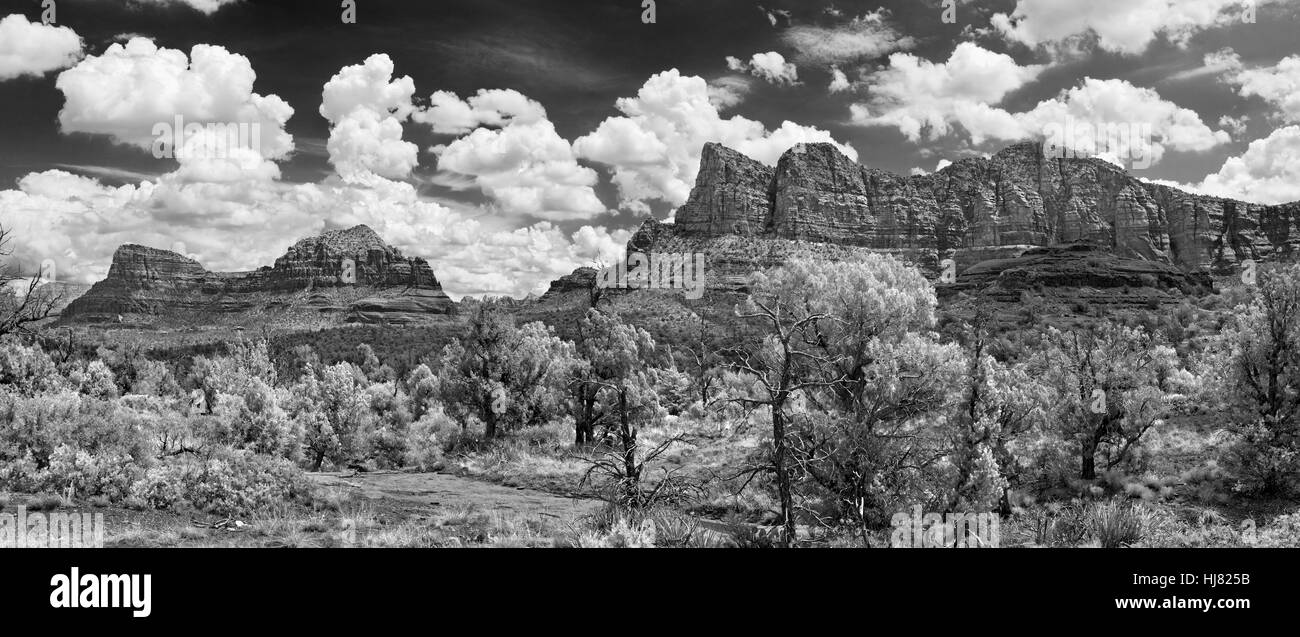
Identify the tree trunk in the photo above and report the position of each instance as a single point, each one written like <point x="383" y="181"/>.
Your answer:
<point x="490" y="430"/>
<point x="1089" y="458"/>
<point x="780" y="464"/>
<point x="632" y="475"/>
<point x="584" y="428"/>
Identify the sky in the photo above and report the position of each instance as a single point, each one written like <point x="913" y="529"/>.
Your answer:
<point x="512" y="141"/>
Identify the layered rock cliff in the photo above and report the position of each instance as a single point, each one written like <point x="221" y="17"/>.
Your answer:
<point x="314" y="277"/>
<point x="978" y="209"/>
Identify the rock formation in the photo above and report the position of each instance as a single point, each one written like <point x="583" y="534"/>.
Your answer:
<point x="978" y="209"/>
<point x="310" y="279"/>
<point x="1089" y="274"/>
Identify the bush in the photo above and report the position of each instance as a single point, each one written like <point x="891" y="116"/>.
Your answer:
<point x="27" y="370"/>
<point x="1282" y="532"/>
<point x="1116" y="524"/>
<point x="110" y="475"/>
<point x="235" y="483"/>
<point x="1263" y="462"/>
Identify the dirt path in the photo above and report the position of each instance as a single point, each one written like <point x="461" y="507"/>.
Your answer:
<point x="419" y="497"/>
<point x="424" y="491"/>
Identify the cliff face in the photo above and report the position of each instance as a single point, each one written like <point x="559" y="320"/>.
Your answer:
<point x="978" y="209"/>
<point x="308" y="279"/>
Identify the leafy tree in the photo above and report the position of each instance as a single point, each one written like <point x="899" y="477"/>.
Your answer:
<point x="892" y="445"/>
<point x="1258" y="360"/>
<point x="474" y="371"/>
<point x="503" y="375"/>
<point x="422" y="387"/>
<point x="1004" y="404"/>
<point x="619" y="378"/>
<point x="1107" y="391"/>
<point x="334" y="414"/>
<point x="833" y="333"/>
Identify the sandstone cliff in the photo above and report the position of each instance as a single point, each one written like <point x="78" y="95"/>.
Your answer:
<point x="977" y="209"/>
<point x="308" y="281"/>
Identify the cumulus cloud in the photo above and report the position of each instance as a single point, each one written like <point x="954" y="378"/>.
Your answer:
<point x="1268" y="172"/>
<point x="943" y="163"/>
<point x="522" y="164"/>
<point x="450" y="115"/>
<point x="1279" y="84"/>
<point x="914" y="94"/>
<point x="79" y="222"/>
<point x="153" y="98"/>
<point x="839" y="81"/>
<point x="28" y="48"/>
<point x="770" y="66"/>
<point x="729" y="90"/>
<point x="653" y="149"/>
<point x="1122" y="26"/>
<point x="866" y="37"/>
<point x="922" y="98"/>
<point x="366" y="108"/>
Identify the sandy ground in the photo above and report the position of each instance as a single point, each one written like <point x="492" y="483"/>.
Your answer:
<point x="414" y="492"/>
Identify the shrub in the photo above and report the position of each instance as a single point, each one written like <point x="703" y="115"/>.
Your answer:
<point x="1117" y="524"/>
<point x="110" y="475"/>
<point x="1282" y="532"/>
<point x="1263" y="462"/>
<point x="233" y="483"/>
<point x="27" y="370"/>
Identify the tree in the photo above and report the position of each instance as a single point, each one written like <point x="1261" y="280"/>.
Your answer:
<point x="334" y="413"/>
<point x="502" y="375"/>
<point x="620" y="375"/>
<point x="892" y="445"/>
<point x="827" y="324"/>
<point x="703" y="360"/>
<point x="22" y="304"/>
<point x="422" y="386"/>
<point x="786" y="362"/>
<point x="474" y="372"/>
<point x="1259" y="357"/>
<point x="1003" y="403"/>
<point x="1107" y="390"/>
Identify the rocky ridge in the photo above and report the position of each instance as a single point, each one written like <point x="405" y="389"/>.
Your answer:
<point x="309" y="280"/>
<point x="976" y="209"/>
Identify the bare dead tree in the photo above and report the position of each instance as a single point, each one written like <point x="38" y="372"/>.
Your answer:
<point x="34" y="303"/>
<point x="782" y="375"/>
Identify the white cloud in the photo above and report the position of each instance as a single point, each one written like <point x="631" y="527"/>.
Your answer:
<point x="864" y="38"/>
<point x="915" y="95"/>
<point x="1268" y="172"/>
<point x="367" y="107"/>
<point x="770" y="66"/>
<point x="653" y="149"/>
<point x="1122" y="26"/>
<point x="839" y="81"/>
<point x="922" y="98"/>
<point x="524" y="165"/>
<point x="134" y="93"/>
<point x="233" y="214"/>
<point x="1279" y="84"/>
<point x="28" y="48"/>
<point x="205" y="6"/>
<point x="366" y="142"/>
<point x="448" y="114"/>
<point x="1235" y="125"/>
<point x="527" y="170"/>
<point x="943" y="163"/>
<point x="729" y="90"/>
<point x="79" y="223"/>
